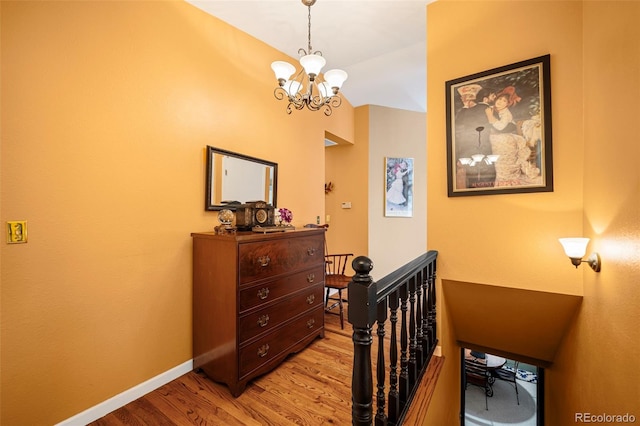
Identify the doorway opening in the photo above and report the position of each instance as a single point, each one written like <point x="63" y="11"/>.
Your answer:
<point x="488" y="391"/>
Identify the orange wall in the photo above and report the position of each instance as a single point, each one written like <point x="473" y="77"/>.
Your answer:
<point x="594" y="370"/>
<point x="346" y="166"/>
<point x="106" y="110"/>
<point x="504" y="240"/>
<point x="514" y="237"/>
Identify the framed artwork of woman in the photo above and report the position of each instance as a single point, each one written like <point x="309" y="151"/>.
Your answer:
<point x="499" y="130"/>
<point x="398" y="200"/>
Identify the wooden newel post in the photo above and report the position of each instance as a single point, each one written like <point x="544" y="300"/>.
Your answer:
<point x="362" y="315"/>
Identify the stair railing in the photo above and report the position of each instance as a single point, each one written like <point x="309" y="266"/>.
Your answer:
<point x="407" y="298"/>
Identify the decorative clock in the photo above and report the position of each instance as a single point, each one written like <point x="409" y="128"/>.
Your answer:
<point x="254" y="213"/>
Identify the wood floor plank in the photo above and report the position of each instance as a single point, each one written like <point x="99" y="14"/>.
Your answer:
<point x="309" y="388"/>
<point x="420" y="403"/>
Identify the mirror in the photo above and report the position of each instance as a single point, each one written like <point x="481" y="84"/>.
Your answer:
<point x="234" y="178"/>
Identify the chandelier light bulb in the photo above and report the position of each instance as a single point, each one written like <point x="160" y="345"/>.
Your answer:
<point x="283" y="70"/>
<point x="335" y="78"/>
<point x="292" y="87"/>
<point x="325" y="89"/>
<point x="312" y="65"/>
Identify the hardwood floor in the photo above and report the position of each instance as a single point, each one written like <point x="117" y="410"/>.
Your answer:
<point x="312" y="387"/>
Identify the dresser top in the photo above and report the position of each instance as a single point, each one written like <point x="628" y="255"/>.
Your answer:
<point x="251" y="236"/>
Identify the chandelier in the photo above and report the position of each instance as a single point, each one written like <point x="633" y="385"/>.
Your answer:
<point x="307" y="88"/>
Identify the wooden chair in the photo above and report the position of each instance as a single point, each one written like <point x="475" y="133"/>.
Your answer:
<point x="508" y="376"/>
<point x="476" y="373"/>
<point x="335" y="279"/>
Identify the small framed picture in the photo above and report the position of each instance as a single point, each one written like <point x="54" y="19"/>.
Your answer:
<point x="398" y="195"/>
<point x="499" y="130"/>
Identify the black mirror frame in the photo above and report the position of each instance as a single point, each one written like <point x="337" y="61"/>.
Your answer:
<point x="208" y="202"/>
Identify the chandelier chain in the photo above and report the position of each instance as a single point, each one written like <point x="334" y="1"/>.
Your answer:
<point x="309" y="30"/>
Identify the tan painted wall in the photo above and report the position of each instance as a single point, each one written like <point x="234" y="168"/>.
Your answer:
<point x="357" y="172"/>
<point x="514" y="239"/>
<point x="393" y="241"/>
<point x="106" y="110"/>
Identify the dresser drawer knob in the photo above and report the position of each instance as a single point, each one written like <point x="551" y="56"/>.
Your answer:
<point x="263" y="293"/>
<point x="311" y="298"/>
<point x="311" y="323"/>
<point x="264" y="261"/>
<point x="311" y="251"/>
<point x="263" y="320"/>
<point x="311" y="278"/>
<point x="263" y="350"/>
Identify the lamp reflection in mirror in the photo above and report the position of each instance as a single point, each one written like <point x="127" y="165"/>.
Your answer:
<point x="576" y="248"/>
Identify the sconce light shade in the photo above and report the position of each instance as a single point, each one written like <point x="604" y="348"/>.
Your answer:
<point x="576" y="248"/>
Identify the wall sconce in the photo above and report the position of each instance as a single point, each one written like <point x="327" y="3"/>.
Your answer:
<point x="576" y="248"/>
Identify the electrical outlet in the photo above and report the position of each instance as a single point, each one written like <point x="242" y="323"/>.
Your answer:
<point x="346" y="205"/>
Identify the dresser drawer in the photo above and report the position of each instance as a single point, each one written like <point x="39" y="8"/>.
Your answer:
<point x="273" y="344"/>
<point x="276" y="314"/>
<point x="273" y="290"/>
<point x="268" y="258"/>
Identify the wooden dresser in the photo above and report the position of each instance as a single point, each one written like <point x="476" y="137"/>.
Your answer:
<point x="256" y="299"/>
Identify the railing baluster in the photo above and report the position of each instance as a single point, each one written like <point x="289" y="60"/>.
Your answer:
<point x="431" y="320"/>
<point x="394" y="397"/>
<point x="404" y="347"/>
<point x="381" y="417"/>
<point x="413" y="370"/>
<point x="419" y="314"/>
<point x="424" y="325"/>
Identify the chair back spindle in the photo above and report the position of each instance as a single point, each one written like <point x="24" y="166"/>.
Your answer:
<point x="336" y="282"/>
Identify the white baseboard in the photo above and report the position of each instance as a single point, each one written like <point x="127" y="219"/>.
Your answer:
<point x="438" y="351"/>
<point x="120" y="400"/>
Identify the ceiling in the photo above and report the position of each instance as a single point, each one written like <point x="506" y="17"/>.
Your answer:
<point x="381" y="44"/>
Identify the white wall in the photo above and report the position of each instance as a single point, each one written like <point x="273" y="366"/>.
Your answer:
<point x="395" y="240"/>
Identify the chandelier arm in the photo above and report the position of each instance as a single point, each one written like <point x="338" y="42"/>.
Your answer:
<point x="298" y="101"/>
<point x="280" y="93"/>
<point x="335" y="101"/>
<point x="289" y="109"/>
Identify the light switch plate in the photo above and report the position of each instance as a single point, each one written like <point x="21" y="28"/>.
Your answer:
<point x="16" y="231"/>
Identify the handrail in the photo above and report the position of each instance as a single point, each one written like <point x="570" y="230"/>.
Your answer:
<point x="385" y="285"/>
<point x="410" y="289"/>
